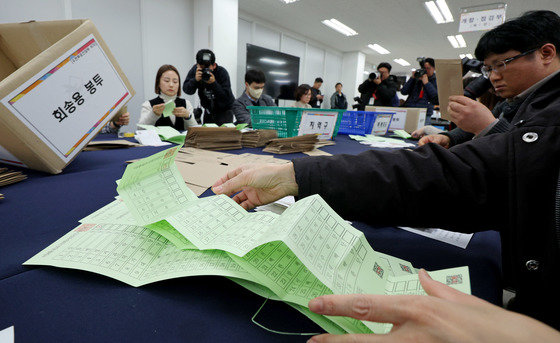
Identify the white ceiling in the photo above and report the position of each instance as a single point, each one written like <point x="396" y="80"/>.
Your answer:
<point x="404" y="27"/>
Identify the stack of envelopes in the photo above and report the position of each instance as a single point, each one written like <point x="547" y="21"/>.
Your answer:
<point x="8" y="177"/>
<point x="291" y="144"/>
<point x="213" y="138"/>
<point x="257" y="138"/>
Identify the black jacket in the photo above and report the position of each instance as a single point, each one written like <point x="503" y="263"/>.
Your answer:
<point x="504" y="110"/>
<point x="384" y="92"/>
<point x="216" y="97"/>
<point x="507" y="182"/>
<point x="314" y="102"/>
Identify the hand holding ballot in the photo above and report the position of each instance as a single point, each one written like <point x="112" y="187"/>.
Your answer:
<point x="468" y="114"/>
<point x="258" y="184"/>
<point x="158" y="109"/>
<point x="418" y="318"/>
<point x="181" y="112"/>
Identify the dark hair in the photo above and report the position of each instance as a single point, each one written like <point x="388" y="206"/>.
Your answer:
<point x="384" y="65"/>
<point x="319" y="80"/>
<point x="163" y="69"/>
<point x="205" y="57"/>
<point x="302" y="90"/>
<point x="254" y="75"/>
<point x="532" y="30"/>
<point x="430" y="61"/>
<point x="338" y="83"/>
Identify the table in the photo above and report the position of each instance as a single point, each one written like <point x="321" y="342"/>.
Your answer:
<point x="54" y="304"/>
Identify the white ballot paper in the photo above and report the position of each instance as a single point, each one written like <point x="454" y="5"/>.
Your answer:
<point x="458" y="239"/>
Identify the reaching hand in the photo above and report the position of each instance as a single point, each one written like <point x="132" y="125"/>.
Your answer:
<point x="180" y="112"/>
<point x="468" y="114"/>
<point x="442" y="140"/>
<point x="258" y="184"/>
<point x="445" y="315"/>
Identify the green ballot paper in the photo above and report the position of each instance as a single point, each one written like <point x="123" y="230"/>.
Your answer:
<point x="158" y="229"/>
<point x="169" y="107"/>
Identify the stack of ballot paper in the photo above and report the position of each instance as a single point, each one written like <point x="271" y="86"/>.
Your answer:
<point x="257" y="138"/>
<point x="214" y="138"/>
<point x="166" y="133"/>
<point x="149" y="138"/>
<point x="163" y="231"/>
<point x="8" y="177"/>
<point x="291" y="144"/>
<point x="381" y="142"/>
<point x="110" y="144"/>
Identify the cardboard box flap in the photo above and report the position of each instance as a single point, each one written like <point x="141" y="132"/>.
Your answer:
<point x="23" y="41"/>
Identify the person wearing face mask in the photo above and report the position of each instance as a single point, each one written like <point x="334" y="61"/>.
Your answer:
<point x="168" y="89"/>
<point x="252" y="96"/>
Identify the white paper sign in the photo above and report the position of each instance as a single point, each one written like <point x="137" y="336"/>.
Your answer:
<point x="399" y="119"/>
<point x="381" y="124"/>
<point x="421" y="119"/>
<point x="71" y="99"/>
<point x="481" y="20"/>
<point x="321" y="123"/>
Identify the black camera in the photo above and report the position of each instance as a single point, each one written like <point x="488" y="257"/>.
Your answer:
<point x="359" y="105"/>
<point x="206" y="74"/>
<point x="478" y="86"/>
<point x="422" y="71"/>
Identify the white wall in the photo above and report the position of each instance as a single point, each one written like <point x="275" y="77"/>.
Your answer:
<point x="225" y="26"/>
<point x="141" y="34"/>
<point x="316" y="60"/>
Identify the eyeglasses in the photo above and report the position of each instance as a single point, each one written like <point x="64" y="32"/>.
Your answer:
<point x="500" y="66"/>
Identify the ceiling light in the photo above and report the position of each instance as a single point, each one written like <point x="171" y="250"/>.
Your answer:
<point x="436" y="14"/>
<point x="461" y="56"/>
<point x="288" y="1"/>
<point x="282" y="81"/>
<point x="444" y="9"/>
<point x="457" y="41"/>
<point x="378" y="48"/>
<point x="470" y="56"/>
<point x="272" y="61"/>
<point x="453" y="41"/>
<point x="461" y="41"/>
<point x="413" y="69"/>
<point x="281" y="73"/>
<point x="401" y="62"/>
<point x="439" y="12"/>
<point x="366" y="72"/>
<point x="340" y="27"/>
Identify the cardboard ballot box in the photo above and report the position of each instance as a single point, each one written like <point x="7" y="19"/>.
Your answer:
<point x="405" y="118"/>
<point x="59" y="85"/>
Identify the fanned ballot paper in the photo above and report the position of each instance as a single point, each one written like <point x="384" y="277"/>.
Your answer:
<point x="158" y="229"/>
<point x="213" y="138"/>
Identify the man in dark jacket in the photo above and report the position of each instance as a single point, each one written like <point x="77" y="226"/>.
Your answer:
<point x="422" y="89"/>
<point x="508" y="181"/>
<point x="382" y="88"/>
<point x="316" y="96"/>
<point x="252" y="96"/>
<point x="214" y="88"/>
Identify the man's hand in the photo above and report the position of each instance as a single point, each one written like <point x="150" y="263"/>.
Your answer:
<point x="425" y="79"/>
<point x="468" y="114"/>
<point x="445" y="315"/>
<point x="320" y="97"/>
<point x="258" y="184"/>
<point x="158" y="109"/>
<point x="425" y="130"/>
<point x="181" y="112"/>
<point x="377" y="80"/>
<point x="442" y="140"/>
<point x="212" y="79"/>
<point x="198" y="75"/>
<point x="121" y="121"/>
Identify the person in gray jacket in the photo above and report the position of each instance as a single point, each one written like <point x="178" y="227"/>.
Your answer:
<point x="252" y="96"/>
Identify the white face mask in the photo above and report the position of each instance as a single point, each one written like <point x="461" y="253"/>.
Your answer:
<point x="255" y="93"/>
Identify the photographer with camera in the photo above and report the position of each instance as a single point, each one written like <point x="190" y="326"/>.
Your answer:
<point x="214" y="88"/>
<point x="421" y="88"/>
<point x="382" y="88"/>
